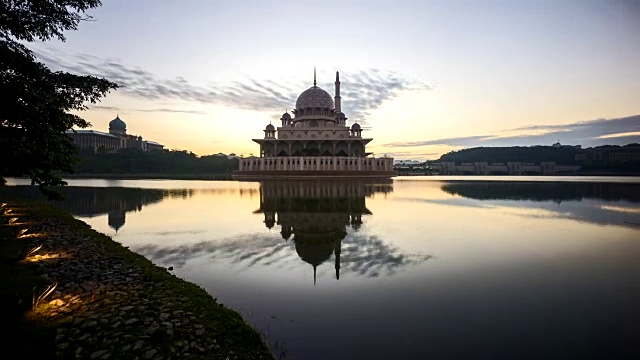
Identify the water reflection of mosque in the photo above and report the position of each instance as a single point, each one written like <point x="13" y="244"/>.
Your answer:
<point x="316" y="215"/>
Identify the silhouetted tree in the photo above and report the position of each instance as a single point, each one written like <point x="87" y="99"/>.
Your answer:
<point x="136" y="161"/>
<point x="37" y="102"/>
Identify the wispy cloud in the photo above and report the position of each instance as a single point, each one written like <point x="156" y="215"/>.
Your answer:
<point x="586" y="133"/>
<point x="367" y="89"/>
<point x="106" y="108"/>
<point x="126" y="110"/>
<point x="409" y="154"/>
<point x="199" y="112"/>
<point x="458" y="141"/>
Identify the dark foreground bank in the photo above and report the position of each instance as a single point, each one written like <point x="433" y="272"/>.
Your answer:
<point x="104" y="301"/>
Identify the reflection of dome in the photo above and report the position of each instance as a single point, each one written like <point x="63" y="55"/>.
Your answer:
<point x="117" y="124"/>
<point x="314" y="97"/>
<point x="314" y="251"/>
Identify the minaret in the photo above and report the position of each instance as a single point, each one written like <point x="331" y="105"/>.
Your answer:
<point x="337" y="97"/>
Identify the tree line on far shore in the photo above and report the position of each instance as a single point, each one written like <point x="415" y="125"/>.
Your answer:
<point x="533" y="154"/>
<point x="134" y="161"/>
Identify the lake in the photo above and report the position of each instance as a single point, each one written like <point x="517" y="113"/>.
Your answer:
<point x="410" y="268"/>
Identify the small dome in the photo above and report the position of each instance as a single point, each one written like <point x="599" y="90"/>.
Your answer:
<point x="314" y="97"/>
<point x="117" y="124"/>
<point x="355" y="126"/>
<point x="270" y="127"/>
<point x="286" y="115"/>
<point x="340" y="115"/>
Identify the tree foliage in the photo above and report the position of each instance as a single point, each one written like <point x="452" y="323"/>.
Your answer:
<point x="533" y="154"/>
<point x="39" y="105"/>
<point x="135" y="161"/>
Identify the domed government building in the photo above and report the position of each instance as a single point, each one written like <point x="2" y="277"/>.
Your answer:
<point x="116" y="139"/>
<point x="314" y="142"/>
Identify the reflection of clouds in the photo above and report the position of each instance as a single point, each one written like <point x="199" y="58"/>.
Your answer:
<point x="621" y="209"/>
<point x="361" y="255"/>
<point x="459" y="201"/>
<point x="370" y="256"/>
<point x="249" y="249"/>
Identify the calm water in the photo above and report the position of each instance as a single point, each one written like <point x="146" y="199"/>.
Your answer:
<point x="415" y="268"/>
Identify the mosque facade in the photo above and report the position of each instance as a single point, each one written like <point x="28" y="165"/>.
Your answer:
<point x="315" y="142"/>
<point x="116" y="139"/>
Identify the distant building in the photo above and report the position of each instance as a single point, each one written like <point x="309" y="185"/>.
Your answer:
<point x="558" y="145"/>
<point x="116" y="139"/>
<point x="609" y="154"/>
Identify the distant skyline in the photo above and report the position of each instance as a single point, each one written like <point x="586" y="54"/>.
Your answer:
<point x="423" y="77"/>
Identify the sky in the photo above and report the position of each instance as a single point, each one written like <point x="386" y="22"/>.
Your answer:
<point x="422" y="77"/>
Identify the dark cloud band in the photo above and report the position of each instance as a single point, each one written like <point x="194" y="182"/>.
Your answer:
<point x="585" y="133"/>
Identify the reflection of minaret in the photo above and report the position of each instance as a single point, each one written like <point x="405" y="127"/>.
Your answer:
<point x="356" y="221"/>
<point x="336" y="252"/>
<point x="116" y="219"/>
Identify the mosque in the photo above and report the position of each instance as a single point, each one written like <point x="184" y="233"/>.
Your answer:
<point x="116" y="139"/>
<point x="314" y="142"/>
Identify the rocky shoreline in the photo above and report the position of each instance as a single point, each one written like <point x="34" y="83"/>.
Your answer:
<point x="110" y="303"/>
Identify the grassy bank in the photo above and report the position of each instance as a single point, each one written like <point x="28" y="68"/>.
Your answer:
<point x="109" y="302"/>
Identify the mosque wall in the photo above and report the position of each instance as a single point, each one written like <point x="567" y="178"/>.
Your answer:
<point x="316" y="163"/>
